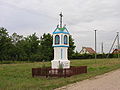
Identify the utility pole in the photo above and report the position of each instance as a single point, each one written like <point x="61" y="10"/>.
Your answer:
<point x="118" y="40"/>
<point x="102" y="48"/>
<point x="118" y="43"/>
<point x="95" y="45"/>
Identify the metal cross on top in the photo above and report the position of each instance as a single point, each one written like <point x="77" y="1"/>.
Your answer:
<point x="61" y="19"/>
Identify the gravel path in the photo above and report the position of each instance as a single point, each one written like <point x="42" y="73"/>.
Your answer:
<point x="108" y="81"/>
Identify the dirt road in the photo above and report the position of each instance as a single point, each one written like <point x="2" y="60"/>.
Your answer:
<point x="108" y="81"/>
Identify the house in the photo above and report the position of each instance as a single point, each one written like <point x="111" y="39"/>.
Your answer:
<point x="87" y="50"/>
<point x="116" y="51"/>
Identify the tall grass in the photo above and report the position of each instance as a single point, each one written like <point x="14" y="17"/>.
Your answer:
<point x="19" y="77"/>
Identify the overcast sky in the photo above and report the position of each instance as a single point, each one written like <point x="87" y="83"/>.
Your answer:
<point x="82" y="17"/>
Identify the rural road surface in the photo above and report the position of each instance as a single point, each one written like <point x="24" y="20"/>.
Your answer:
<point x="108" y="81"/>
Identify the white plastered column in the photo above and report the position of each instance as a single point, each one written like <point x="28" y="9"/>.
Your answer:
<point x="60" y="56"/>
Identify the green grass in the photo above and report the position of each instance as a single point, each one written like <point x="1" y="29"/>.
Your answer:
<point x="18" y="76"/>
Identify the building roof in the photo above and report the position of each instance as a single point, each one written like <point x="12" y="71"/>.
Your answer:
<point x="88" y="49"/>
<point x="61" y="30"/>
<point x="115" y="51"/>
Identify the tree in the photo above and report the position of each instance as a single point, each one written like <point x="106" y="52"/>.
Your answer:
<point x="46" y="47"/>
<point x="5" y="44"/>
<point x="16" y="38"/>
<point x="29" y="47"/>
<point x="71" y="47"/>
<point x="17" y="51"/>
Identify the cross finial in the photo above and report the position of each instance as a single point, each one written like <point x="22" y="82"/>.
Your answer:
<point x="61" y="14"/>
<point x="61" y="19"/>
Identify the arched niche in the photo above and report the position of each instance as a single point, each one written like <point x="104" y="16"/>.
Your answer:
<point x="65" y="39"/>
<point x="57" y="39"/>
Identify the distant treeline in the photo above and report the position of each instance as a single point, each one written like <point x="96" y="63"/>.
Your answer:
<point x="77" y="55"/>
<point x="31" y="48"/>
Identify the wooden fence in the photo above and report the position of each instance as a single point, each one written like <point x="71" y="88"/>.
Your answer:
<point x="49" y="72"/>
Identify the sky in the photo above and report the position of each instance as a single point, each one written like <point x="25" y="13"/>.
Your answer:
<point x="81" y="17"/>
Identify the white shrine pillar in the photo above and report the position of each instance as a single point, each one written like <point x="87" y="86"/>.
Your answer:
<point x="60" y="44"/>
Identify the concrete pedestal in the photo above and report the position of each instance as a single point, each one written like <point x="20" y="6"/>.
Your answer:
<point x="64" y="63"/>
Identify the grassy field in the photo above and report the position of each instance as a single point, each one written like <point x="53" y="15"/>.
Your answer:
<point x="18" y="76"/>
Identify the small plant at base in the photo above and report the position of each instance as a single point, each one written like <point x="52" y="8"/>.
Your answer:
<point x="60" y="70"/>
<point x="60" y="65"/>
<point x="44" y="72"/>
<point x="43" y="64"/>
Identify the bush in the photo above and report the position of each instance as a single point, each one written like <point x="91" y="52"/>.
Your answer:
<point x="91" y="56"/>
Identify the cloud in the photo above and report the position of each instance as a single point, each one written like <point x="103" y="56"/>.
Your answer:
<point x="81" y="16"/>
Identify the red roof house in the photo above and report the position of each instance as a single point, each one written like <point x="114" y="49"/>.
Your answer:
<point x="116" y="51"/>
<point x="87" y="50"/>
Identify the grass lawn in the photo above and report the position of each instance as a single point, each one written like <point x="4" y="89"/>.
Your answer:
<point x="19" y="77"/>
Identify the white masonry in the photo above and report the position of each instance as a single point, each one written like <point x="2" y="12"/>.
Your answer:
<point x="60" y="44"/>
